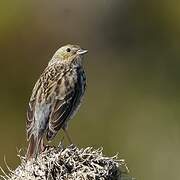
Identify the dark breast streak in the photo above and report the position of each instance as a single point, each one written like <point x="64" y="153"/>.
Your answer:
<point x="81" y="86"/>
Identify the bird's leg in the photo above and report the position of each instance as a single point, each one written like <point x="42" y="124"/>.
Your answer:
<point x="60" y="145"/>
<point x="42" y="145"/>
<point x="67" y="135"/>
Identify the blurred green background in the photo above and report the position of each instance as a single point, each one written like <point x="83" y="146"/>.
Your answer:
<point x="133" y="66"/>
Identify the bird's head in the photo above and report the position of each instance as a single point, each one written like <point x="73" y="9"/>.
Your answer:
<point x="69" y="53"/>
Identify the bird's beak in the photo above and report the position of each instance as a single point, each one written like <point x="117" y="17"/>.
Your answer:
<point x="82" y="51"/>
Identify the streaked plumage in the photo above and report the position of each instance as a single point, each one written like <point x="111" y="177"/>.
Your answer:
<point x="56" y="97"/>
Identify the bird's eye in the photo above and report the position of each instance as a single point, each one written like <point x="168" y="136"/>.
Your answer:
<point x="68" y="49"/>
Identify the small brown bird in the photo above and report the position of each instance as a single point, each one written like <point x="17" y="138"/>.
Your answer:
<point x="56" y="97"/>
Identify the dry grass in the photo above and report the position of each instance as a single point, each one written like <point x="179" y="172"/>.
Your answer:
<point x="69" y="164"/>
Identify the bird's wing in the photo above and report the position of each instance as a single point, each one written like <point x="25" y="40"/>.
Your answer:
<point x="32" y="134"/>
<point x="38" y="112"/>
<point x="42" y="90"/>
<point x="31" y="109"/>
<point x="63" y="108"/>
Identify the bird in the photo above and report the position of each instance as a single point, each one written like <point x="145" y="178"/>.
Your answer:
<point x="56" y="98"/>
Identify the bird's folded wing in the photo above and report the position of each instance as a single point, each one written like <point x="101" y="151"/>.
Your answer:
<point x="31" y="109"/>
<point x="61" y="111"/>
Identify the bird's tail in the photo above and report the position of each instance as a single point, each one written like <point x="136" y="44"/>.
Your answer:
<point x="35" y="146"/>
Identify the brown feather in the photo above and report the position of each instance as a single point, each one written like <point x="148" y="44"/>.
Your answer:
<point x="55" y="98"/>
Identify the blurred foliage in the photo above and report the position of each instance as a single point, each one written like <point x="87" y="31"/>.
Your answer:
<point x="132" y="101"/>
